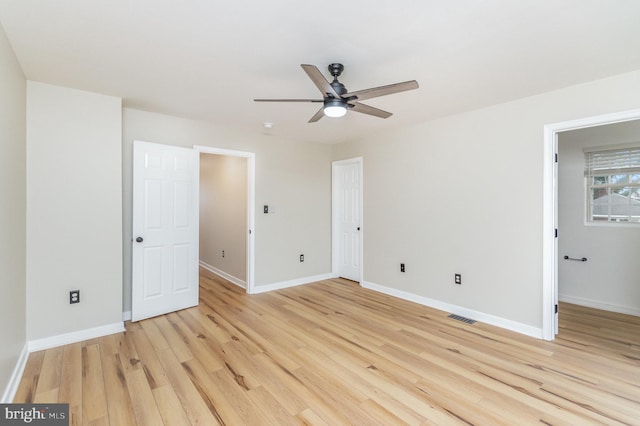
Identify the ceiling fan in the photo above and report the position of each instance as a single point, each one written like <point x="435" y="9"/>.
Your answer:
<point x="337" y="99"/>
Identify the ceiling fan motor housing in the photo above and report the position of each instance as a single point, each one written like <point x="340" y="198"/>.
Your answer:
<point x="338" y="87"/>
<point x="336" y="70"/>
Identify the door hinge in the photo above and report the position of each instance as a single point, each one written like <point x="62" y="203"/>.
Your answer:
<point x="556" y="233"/>
<point x="556" y="157"/>
<point x="556" y="309"/>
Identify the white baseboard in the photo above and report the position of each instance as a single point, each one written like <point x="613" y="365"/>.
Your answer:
<point x="458" y="310"/>
<point x="76" y="336"/>
<point x="14" y="381"/>
<point x="221" y="273"/>
<point x="291" y="283"/>
<point x="599" y="305"/>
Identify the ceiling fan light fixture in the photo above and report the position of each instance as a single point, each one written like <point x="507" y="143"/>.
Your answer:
<point x="335" y="108"/>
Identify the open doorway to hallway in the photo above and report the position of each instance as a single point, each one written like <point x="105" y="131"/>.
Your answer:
<point x="226" y="214"/>
<point x="223" y="212"/>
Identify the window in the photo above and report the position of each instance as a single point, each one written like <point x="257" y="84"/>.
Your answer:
<point x="613" y="185"/>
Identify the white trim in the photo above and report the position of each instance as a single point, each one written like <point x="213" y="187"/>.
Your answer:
<point x="457" y="310"/>
<point x="234" y="280"/>
<point x="76" y="336"/>
<point x="16" y="376"/>
<point x="549" y="248"/>
<point x="126" y="316"/>
<point x="223" y="151"/>
<point x="599" y="305"/>
<point x="292" y="283"/>
<point x="616" y="225"/>
<point x="251" y="209"/>
<point x="550" y="211"/>
<point x="334" y="214"/>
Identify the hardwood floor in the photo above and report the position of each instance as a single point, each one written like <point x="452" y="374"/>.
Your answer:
<point x="332" y="353"/>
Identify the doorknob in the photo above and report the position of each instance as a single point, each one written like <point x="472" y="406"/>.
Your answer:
<point x="358" y="228"/>
<point x="139" y="240"/>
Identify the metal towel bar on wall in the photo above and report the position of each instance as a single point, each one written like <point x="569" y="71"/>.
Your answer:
<point x="582" y="259"/>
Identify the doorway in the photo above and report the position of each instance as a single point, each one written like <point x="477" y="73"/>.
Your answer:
<point x="165" y="252"/>
<point x="347" y="223"/>
<point x="223" y="212"/>
<point x="599" y="238"/>
<point x="221" y="253"/>
<point x="550" y="210"/>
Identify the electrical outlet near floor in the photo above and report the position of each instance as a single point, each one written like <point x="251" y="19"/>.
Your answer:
<point x="302" y="258"/>
<point x="457" y="278"/>
<point x="402" y="267"/>
<point x="74" y="296"/>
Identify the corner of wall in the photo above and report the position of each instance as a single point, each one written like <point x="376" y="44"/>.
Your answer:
<point x="13" y="187"/>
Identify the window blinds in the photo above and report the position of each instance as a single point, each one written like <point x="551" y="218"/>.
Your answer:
<point x="615" y="161"/>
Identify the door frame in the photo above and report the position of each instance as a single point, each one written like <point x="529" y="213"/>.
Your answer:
<point x="334" y="215"/>
<point x="550" y="209"/>
<point x="251" y="190"/>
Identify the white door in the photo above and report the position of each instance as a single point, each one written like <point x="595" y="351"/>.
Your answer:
<point x="347" y="220"/>
<point x="165" y="229"/>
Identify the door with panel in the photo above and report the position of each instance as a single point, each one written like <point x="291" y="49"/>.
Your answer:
<point x="165" y="229"/>
<point x="347" y="219"/>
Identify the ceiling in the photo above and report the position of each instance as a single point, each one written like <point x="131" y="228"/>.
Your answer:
<point x="208" y="60"/>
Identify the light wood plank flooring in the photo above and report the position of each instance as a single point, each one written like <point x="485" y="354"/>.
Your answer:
<point x="332" y="353"/>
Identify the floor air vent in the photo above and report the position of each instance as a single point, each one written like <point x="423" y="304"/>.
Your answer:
<point x="463" y="319"/>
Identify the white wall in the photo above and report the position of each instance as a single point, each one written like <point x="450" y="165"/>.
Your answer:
<point x="12" y="211"/>
<point x="609" y="278"/>
<point x="295" y="177"/>
<point x="74" y="210"/>
<point x="463" y="194"/>
<point x="223" y="214"/>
